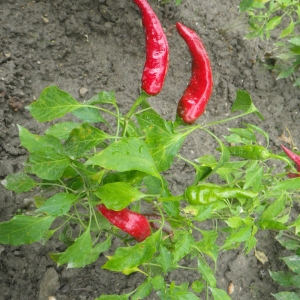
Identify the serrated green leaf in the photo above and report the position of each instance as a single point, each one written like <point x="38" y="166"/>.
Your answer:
<point x="18" y="182"/>
<point x="48" y="164"/>
<point x="118" y="195"/>
<point x="286" y="296"/>
<point x="131" y="257"/>
<point x="24" y="229"/>
<point x="158" y="283"/>
<point x="207" y="273"/>
<point x="58" y="205"/>
<point x="161" y="139"/>
<point x="208" y="244"/>
<point x="288" y="30"/>
<point x="219" y="294"/>
<point x="83" y="139"/>
<point x="61" y="130"/>
<point x="96" y="251"/>
<point x="271" y="224"/>
<point x="76" y="255"/>
<point x="35" y="143"/>
<point x="125" y="155"/>
<point x="53" y="103"/>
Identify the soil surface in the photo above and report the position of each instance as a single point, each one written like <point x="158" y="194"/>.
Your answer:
<point x="99" y="45"/>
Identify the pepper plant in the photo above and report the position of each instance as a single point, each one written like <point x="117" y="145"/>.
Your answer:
<point x="103" y="174"/>
<point x="264" y="18"/>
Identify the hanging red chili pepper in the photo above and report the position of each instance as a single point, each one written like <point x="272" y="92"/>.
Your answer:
<point x="157" y="50"/>
<point x="129" y="221"/>
<point x="295" y="158"/>
<point x="193" y="102"/>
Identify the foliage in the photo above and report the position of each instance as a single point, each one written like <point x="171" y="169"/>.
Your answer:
<point x="76" y="165"/>
<point x="264" y="18"/>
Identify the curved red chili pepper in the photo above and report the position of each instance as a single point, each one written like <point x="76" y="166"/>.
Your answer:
<point x="157" y="50"/>
<point x="129" y="221"/>
<point x="193" y="102"/>
<point x="295" y="158"/>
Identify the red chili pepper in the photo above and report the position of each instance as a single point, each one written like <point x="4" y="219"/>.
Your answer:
<point x="129" y="221"/>
<point x="295" y="158"/>
<point x="193" y="102"/>
<point x="157" y="50"/>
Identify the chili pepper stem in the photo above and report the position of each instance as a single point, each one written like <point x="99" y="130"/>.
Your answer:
<point x="281" y="158"/>
<point x="174" y="198"/>
<point x="142" y="97"/>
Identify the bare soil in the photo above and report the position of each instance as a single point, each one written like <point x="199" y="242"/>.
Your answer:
<point x="99" y="45"/>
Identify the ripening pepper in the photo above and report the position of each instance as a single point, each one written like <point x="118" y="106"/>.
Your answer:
<point x="205" y="194"/>
<point x="129" y="221"/>
<point x="295" y="158"/>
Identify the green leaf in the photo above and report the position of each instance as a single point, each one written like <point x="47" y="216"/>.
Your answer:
<point x="274" y="22"/>
<point x="48" y="164"/>
<point x="283" y="278"/>
<point x="271" y="224"/>
<point x="244" y="133"/>
<point x="238" y="236"/>
<point x="288" y="185"/>
<point x="24" y="229"/>
<point x="143" y="290"/>
<point x="52" y="104"/>
<point x="18" y="182"/>
<point x="103" y="98"/>
<point x="161" y="139"/>
<point x="61" y="130"/>
<point x="293" y="262"/>
<point x="259" y="130"/>
<point x="124" y="155"/>
<point x="158" y="283"/>
<point x="183" y="241"/>
<point x="286" y="73"/>
<point x="83" y="139"/>
<point x="273" y="210"/>
<point x="35" y="143"/>
<point x="165" y="259"/>
<point x="58" y="205"/>
<point x="118" y="195"/>
<point x="245" y="5"/>
<point x="88" y="114"/>
<point x="129" y="258"/>
<point x="76" y="255"/>
<point x="207" y="273"/>
<point x="197" y="286"/>
<point x="254" y="178"/>
<point x="208" y="244"/>
<point x="114" y="297"/>
<point x="296" y="280"/>
<point x="286" y="296"/>
<point x="244" y="103"/>
<point x="288" y="30"/>
<point x="95" y="252"/>
<point x="295" y="41"/>
<point x="219" y="294"/>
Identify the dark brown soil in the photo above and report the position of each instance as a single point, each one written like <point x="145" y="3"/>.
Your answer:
<point x="99" y="45"/>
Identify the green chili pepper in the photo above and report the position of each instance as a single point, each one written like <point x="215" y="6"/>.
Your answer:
<point x="253" y="152"/>
<point x="207" y="193"/>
